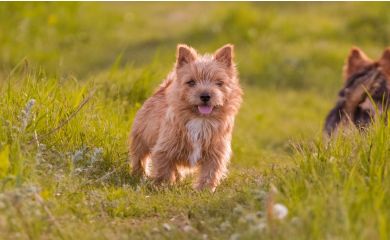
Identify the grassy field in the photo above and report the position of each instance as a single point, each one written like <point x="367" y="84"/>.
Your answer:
<point x="72" y="76"/>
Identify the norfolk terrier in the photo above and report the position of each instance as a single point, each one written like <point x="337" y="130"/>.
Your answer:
<point x="188" y="122"/>
<point x="365" y="95"/>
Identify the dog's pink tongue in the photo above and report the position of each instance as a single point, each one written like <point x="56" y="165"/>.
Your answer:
<point x="205" y="109"/>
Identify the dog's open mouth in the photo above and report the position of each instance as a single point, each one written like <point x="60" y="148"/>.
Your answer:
<point x="205" y="109"/>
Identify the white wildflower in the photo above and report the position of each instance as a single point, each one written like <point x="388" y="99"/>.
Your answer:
<point x="167" y="227"/>
<point x="279" y="211"/>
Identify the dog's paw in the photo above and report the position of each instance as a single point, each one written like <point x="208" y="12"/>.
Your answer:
<point x="202" y="187"/>
<point x="138" y="173"/>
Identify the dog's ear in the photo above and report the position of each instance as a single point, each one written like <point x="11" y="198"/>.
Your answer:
<point x="385" y="61"/>
<point x="184" y="55"/>
<point x="225" y="55"/>
<point x="356" y="61"/>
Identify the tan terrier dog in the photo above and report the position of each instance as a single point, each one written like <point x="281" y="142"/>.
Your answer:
<point x="188" y="122"/>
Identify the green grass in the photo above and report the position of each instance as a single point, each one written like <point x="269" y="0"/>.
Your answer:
<point x="72" y="76"/>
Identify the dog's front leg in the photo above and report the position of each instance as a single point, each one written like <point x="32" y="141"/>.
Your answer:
<point x="213" y="167"/>
<point x="163" y="168"/>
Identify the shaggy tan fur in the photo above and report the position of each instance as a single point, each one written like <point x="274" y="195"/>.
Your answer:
<point x="188" y="122"/>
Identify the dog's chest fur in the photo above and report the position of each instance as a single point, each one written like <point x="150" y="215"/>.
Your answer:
<point x="200" y="132"/>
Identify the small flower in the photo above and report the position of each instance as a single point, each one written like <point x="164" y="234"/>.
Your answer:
<point x="279" y="211"/>
<point x="167" y="227"/>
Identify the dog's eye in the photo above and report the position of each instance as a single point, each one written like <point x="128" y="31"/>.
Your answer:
<point x="219" y="83"/>
<point x="191" y="83"/>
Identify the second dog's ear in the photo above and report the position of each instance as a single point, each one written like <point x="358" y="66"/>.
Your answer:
<point x="225" y="55"/>
<point x="356" y="61"/>
<point x="184" y="55"/>
<point x="385" y="60"/>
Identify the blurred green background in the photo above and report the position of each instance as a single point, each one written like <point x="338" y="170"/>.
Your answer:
<point x="283" y="45"/>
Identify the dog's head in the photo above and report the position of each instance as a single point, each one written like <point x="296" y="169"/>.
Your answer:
<point x="205" y="85"/>
<point x="366" y="88"/>
<point x="358" y="63"/>
<point x="372" y="77"/>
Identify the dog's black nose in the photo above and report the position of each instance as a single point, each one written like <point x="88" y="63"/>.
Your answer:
<point x="205" y="97"/>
